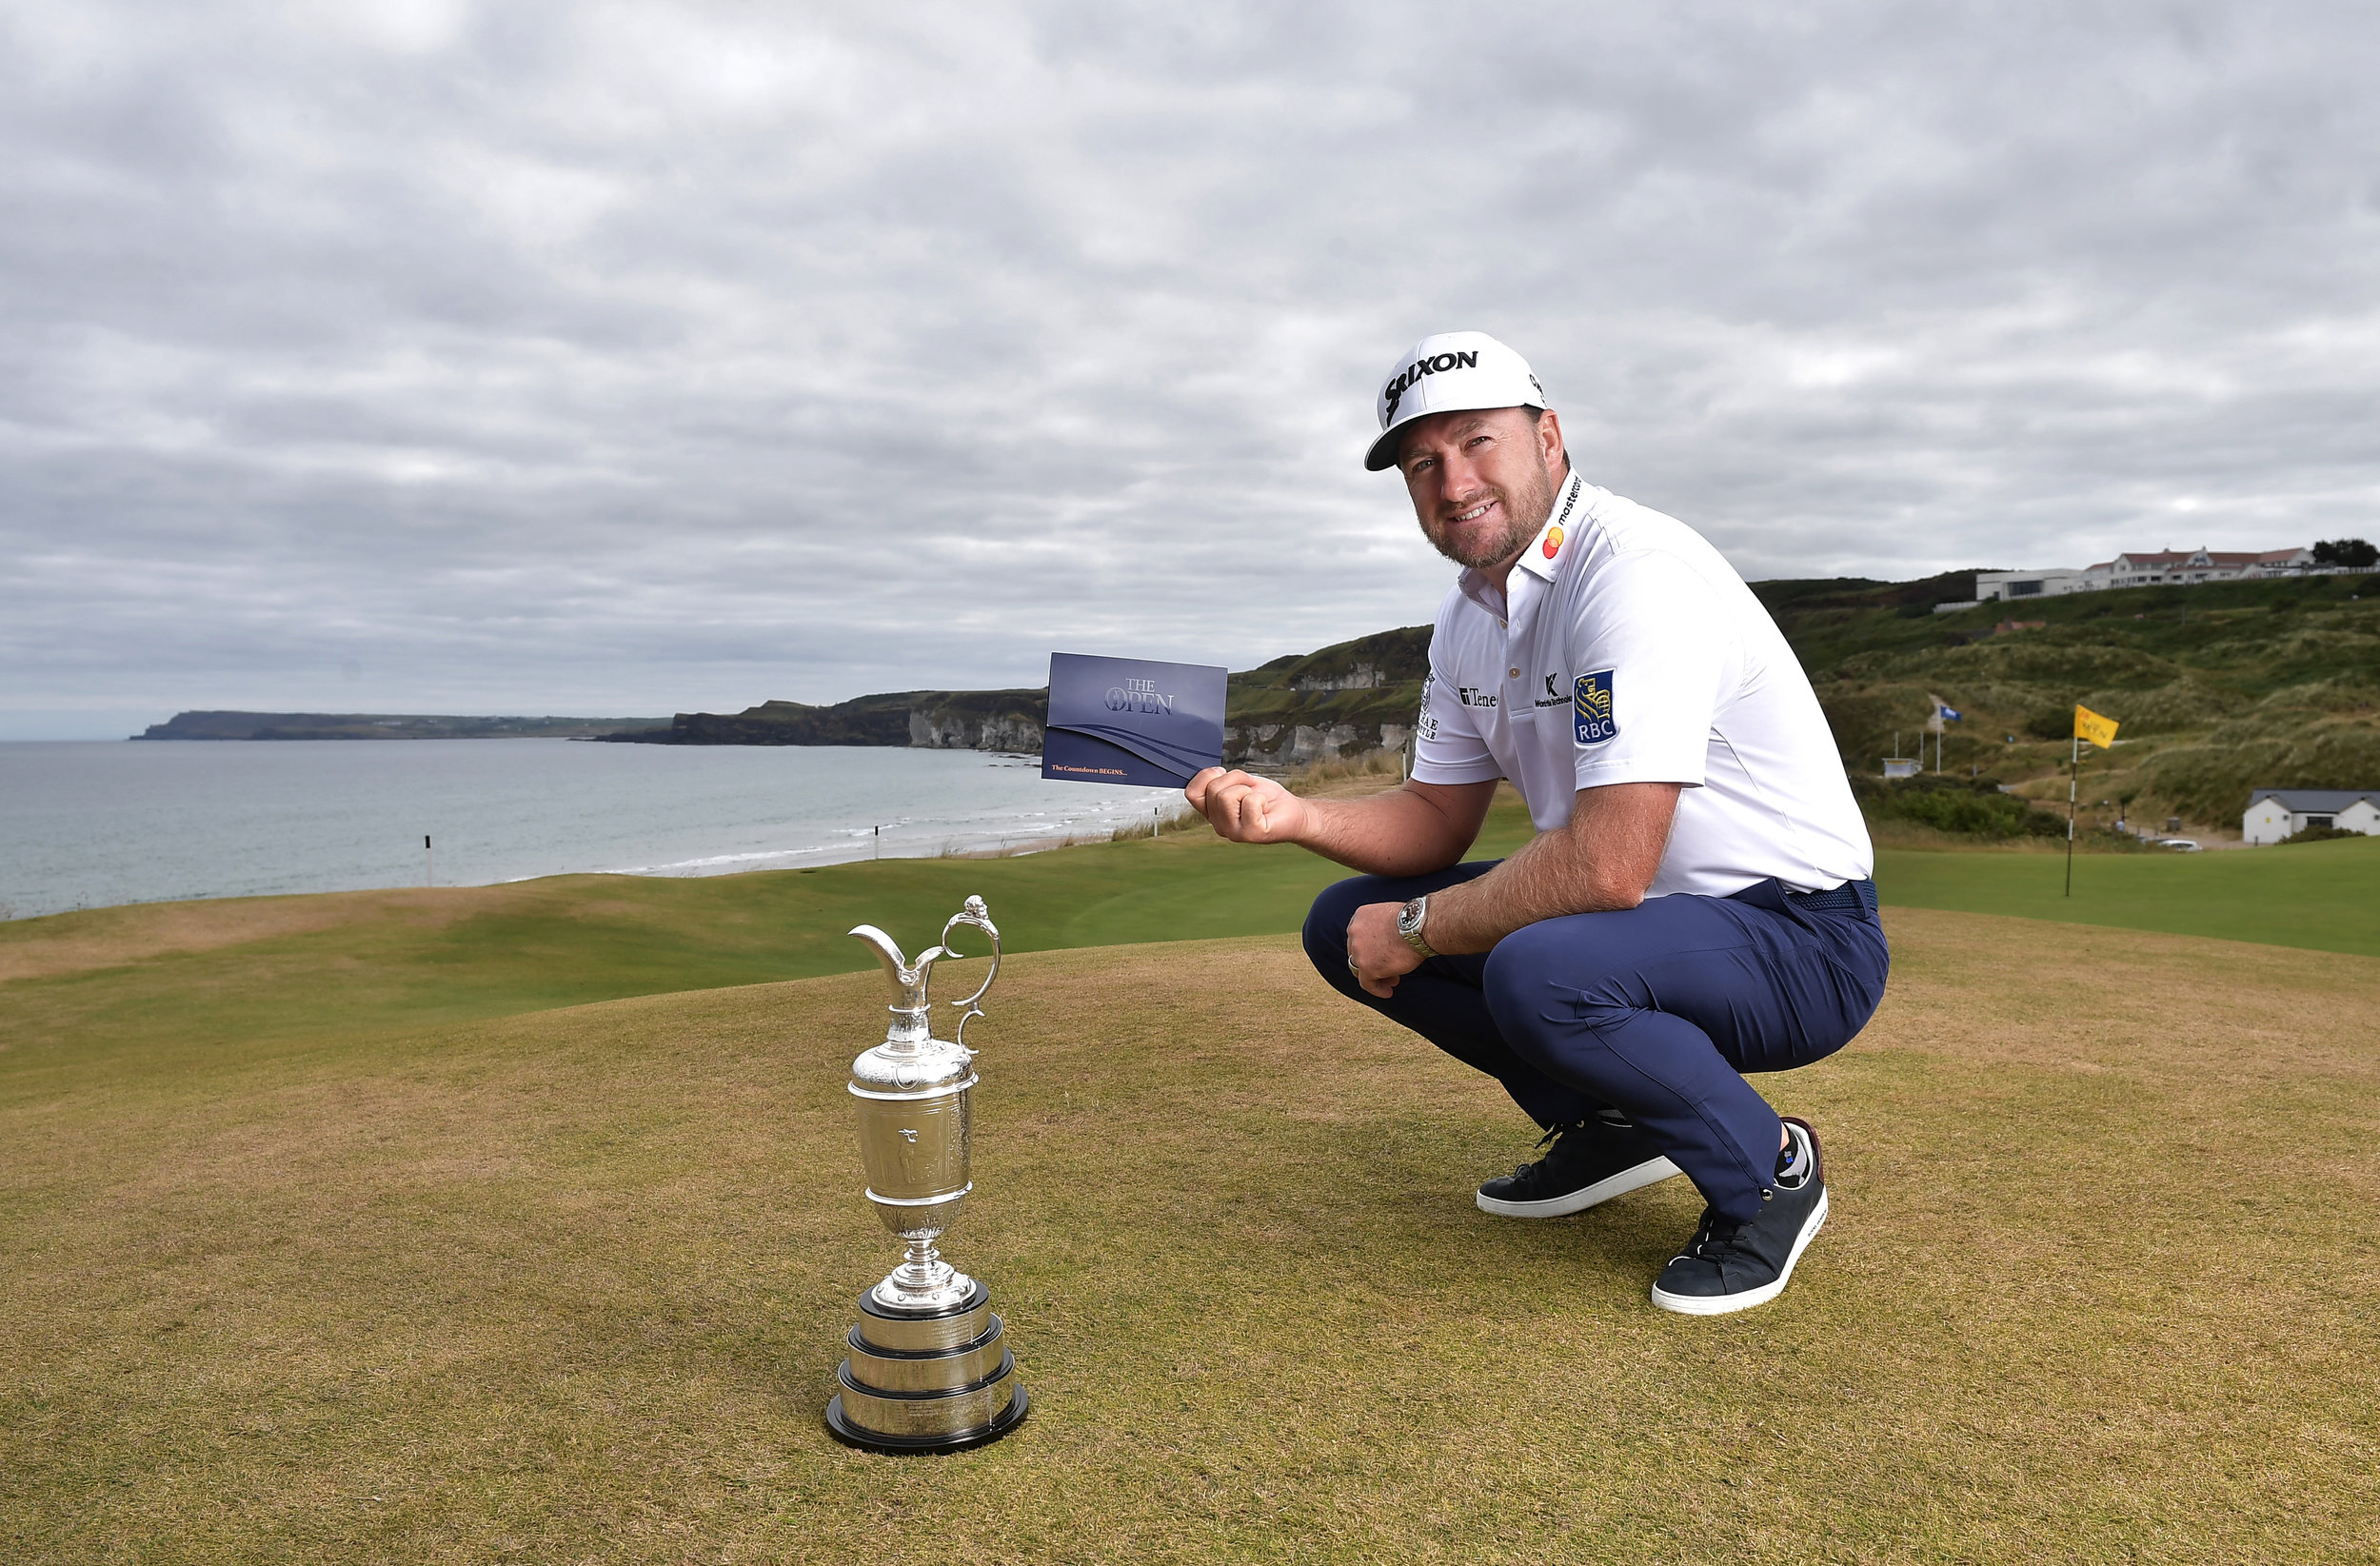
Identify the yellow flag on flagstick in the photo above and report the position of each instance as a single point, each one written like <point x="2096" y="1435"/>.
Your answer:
<point x="2090" y="725"/>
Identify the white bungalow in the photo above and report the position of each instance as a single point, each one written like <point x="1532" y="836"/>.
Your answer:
<point x="2153" y="569"/>
<point x="2188" y="567"/>
<point x="2277" y="813"/>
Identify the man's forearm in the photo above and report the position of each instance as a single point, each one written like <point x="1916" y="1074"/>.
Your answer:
<point x="1605" y="858"/>
<point x="1542" y="880"/>
<point x="1398" y="833"/>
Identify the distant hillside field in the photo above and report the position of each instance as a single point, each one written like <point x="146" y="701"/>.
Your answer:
<point x="2219" y="689"/>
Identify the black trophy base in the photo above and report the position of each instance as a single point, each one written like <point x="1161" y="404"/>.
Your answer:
<point x="937" y="1381"/>
<point x="1013" y="1415"/>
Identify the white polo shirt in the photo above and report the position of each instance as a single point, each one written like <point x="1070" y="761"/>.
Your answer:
<point x="1630" y="651"/>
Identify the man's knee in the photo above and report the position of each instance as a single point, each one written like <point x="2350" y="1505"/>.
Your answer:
<point x="1545" y="986"/>
<point x="1517" y="985"/>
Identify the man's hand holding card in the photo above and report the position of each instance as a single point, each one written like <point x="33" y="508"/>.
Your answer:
<point x="1245" y="808"/>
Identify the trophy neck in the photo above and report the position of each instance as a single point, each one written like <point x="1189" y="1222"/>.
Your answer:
<point x="909" y="1032"/>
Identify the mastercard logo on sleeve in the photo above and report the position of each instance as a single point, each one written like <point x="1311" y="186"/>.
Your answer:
<point x="1553" y="541"/>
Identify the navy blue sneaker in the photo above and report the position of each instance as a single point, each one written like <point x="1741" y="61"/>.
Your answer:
<point x="1591" y="1161"/>
<point x="1734" y="1266"/>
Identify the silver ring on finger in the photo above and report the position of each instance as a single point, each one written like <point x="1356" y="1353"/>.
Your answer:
<point x="1351" y="966"/>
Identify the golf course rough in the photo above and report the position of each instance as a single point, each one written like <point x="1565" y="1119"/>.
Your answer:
<point x="570" y="1284"/>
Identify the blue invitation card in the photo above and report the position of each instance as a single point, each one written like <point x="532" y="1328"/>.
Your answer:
<point x="1130" y="721"/>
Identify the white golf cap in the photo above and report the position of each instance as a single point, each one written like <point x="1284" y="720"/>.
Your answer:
<point x="1454" y="370"/>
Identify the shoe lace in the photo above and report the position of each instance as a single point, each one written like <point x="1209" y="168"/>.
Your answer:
<point x="1715" y="1238"/>
<point x="1545" y="1143"/>
<point x="1555" y="1133"/>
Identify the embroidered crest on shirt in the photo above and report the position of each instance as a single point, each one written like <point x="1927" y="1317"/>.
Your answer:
<point x="1427" y="722"/>
<point x="1591" y="708"/>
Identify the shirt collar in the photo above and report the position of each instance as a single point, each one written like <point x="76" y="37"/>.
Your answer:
<point x="1544" y="551"/>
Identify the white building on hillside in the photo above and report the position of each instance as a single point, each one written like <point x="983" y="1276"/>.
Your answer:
<point x="2049" y="583"/>
<point x="2160" y="568"/>
<point x="2277" y="813"/>
<point x="2188" y="567"/>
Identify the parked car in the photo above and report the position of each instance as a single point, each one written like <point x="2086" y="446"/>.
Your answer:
<point x="2180" y="845"/>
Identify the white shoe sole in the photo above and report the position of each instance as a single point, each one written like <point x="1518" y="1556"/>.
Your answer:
<point x="1651" y="1172"/>
<point x="1720" y="1304"/>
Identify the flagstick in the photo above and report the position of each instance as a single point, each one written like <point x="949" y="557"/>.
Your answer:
<point x="2073" y="769"/>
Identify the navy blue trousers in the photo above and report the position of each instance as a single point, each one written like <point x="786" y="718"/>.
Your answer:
<point x="1656" y="1011"/>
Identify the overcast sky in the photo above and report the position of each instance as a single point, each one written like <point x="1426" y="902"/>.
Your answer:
<point x="620" y="359"/>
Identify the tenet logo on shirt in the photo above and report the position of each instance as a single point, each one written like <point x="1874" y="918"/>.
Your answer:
<point x="1591" y="708"/>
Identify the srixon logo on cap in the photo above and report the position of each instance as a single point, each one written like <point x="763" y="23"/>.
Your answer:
<point x="1408" y="376"/>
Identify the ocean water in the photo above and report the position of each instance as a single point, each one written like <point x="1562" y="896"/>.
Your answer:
<point x="91" y="824"/>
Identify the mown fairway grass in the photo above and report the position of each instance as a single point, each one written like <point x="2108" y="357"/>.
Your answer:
<point x="570" y="1285"/>
<point x="2321" y="895"/>
<point x="200" y="977"/>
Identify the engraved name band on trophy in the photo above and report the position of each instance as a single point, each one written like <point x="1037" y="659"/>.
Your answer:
<point x="929" y="1370"/>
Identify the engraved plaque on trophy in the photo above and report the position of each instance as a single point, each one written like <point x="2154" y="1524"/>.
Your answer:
<point x="928" y="1369"/>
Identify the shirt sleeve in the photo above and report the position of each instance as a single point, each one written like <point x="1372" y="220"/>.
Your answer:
<point x="1447" y="747"/>
<point x="1650" y="659"/>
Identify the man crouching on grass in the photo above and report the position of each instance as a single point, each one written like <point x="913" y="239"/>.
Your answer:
<point x="1696" y="903"/>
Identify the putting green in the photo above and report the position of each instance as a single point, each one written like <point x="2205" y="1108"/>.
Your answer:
<point x="2325" y="896"/>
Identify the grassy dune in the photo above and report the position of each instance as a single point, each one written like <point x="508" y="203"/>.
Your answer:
<point x="2220" y="688"/>
<point x="569" y="1286"/>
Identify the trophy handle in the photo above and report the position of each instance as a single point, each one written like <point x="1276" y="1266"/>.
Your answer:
<point x="975" y="914"/>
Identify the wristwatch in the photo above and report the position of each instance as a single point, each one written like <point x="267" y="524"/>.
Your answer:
<point x="1409" y="923"/>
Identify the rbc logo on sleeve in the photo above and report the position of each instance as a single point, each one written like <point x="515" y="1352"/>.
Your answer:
<point x="1591" y="708"/>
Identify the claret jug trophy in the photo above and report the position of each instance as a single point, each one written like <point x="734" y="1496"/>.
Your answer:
<point x="928" y="1371"/>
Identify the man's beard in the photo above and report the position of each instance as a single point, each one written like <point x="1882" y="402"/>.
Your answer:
<point x="1525" y="512"/>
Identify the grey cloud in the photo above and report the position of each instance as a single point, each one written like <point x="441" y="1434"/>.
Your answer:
<point x="639" y="358"/>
